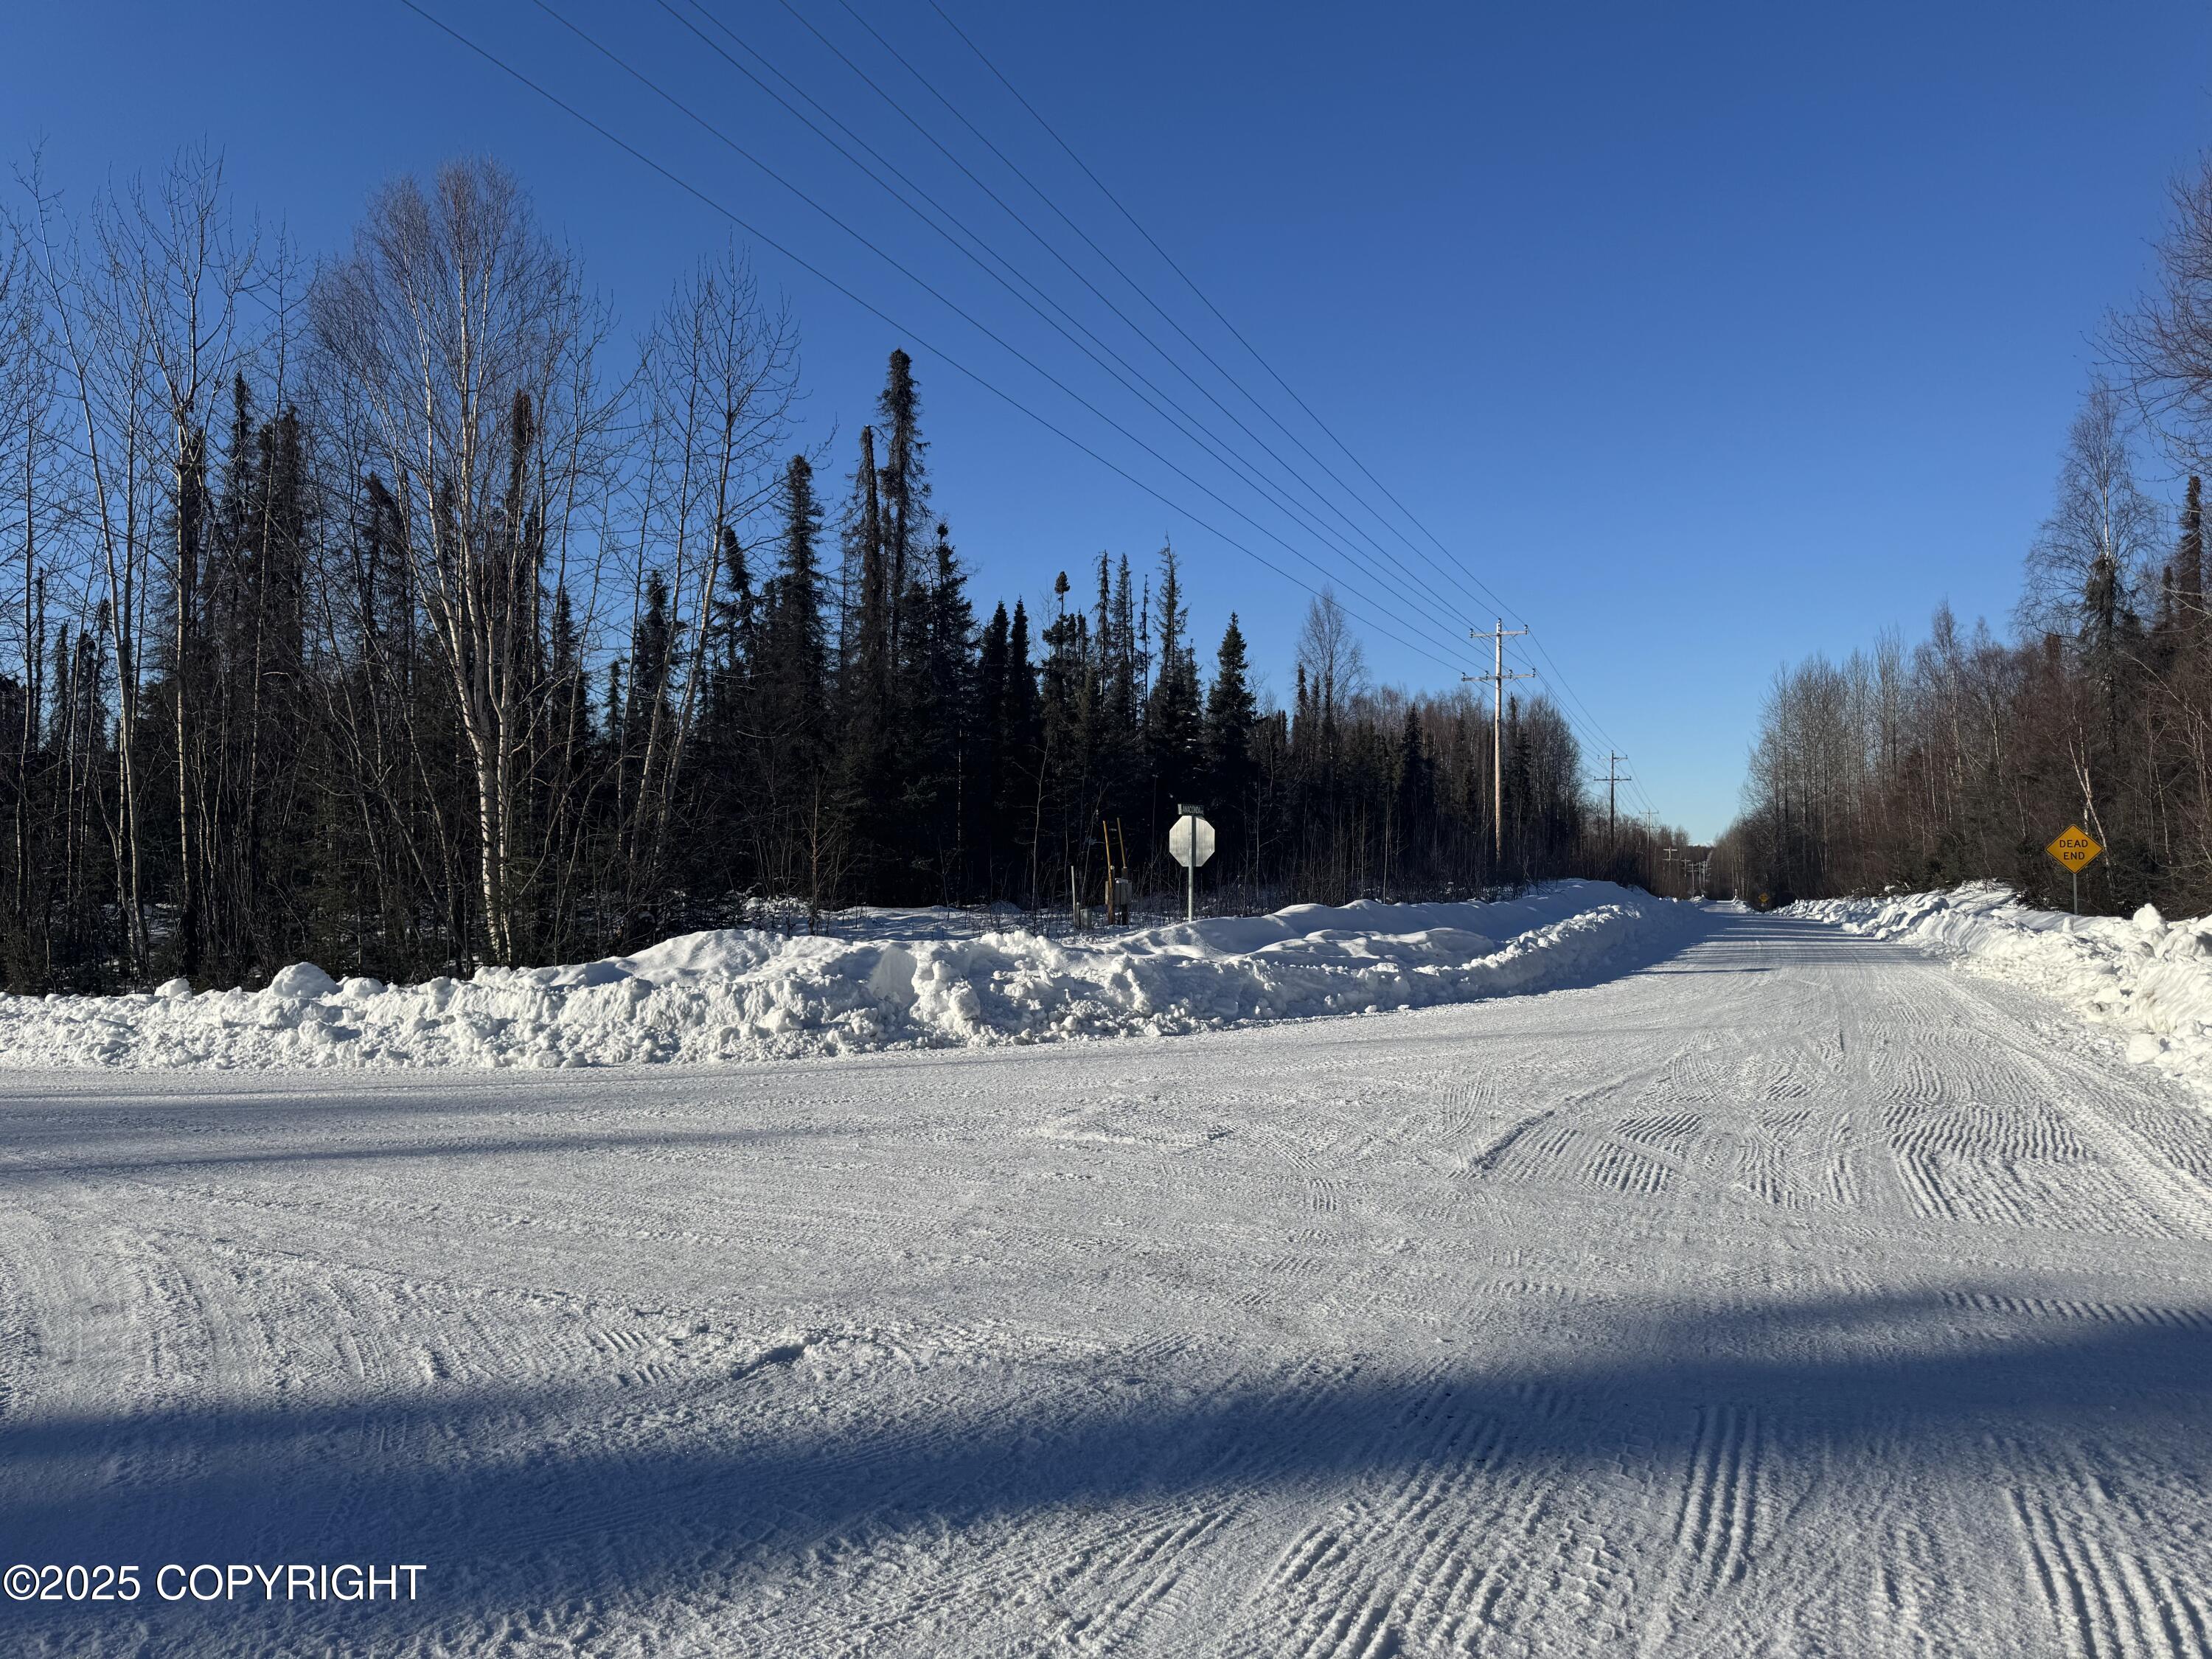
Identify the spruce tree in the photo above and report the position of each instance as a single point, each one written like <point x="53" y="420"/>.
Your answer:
<point x="905" y="487"/>
<point x="1415" y="788"/>
<point x="1120" y="734"/>
<point x="793" y="674"/>
<point x="1231" y="712"/>
<point x="1021" y="687"/>
<point x="1174" y="725"/>
<point x="1020" y="763"/>
<point x="865" y="650"/>
<point x="737" y="609"/>
<point x="1067" y="722"/>
<point x="652" y="645"/>
<point x="951" y="696"/>
<point x="987" y="721"/>
<point x="863" y="793"/>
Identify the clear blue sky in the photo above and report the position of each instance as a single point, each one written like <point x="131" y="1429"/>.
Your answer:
<point x="1708" y="337"/>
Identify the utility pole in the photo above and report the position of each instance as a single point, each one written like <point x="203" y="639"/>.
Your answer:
<point x="1615" y="777"/>
<point x="1497" y="677"/>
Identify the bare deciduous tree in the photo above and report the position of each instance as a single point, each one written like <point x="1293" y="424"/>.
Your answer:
<point x="174" y="259"/>
<point x="1335" y="664"/>
<point x="2092" y="557"/>
<point x="467" y="337"/>
<point x="2163" y="343"/>
<point x="718" y="377"/>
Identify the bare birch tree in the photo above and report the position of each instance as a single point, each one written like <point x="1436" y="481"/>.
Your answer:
<point x="26" y="449"/>
<point x="467" y="337"/>
<point x="103" y="358"/>
<point x="720" y="377"/>
<point x="2163" y="343"/>
<point x="174" y="259"/>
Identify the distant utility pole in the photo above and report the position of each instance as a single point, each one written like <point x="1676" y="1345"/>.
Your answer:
<point x="1497" y="677"/>
<point x="1615" y="777"/>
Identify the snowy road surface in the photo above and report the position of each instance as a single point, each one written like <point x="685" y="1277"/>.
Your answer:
<point x="1793" y="1295"/>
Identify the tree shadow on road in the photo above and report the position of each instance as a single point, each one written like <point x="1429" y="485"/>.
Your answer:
<point x="516" y="1498"/>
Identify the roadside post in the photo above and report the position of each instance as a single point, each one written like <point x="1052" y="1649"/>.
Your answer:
<point x="1192" y="841"/>
<point x="2074" y="848"/>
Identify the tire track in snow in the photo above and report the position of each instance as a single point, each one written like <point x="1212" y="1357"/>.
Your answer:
<point x="1464" y="1548"/>
<point x="1907" y="1583"/>
<point x="2012" y="1166"/>
<point x="1495" y="1152"/>
<point x="2107" y="1603"/>
<point x="1720" y="1498"/>
<point x="1538" y="1575"/>
<point x="2161" y="1155"/>
<point x="1628" y="1171"/>
<point x="1349" y="1583"/>
<point x="1093" y="1582"/>
<point x="2143" y="1315"/>
<point x="1770" y="1155"/>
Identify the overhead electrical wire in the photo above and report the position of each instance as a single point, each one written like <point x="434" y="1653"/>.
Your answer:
<point x="1065" y="323"/>
<point x="947" y="358"/>
<point x="1557" y="677"/>
<point x="1418" y="626"/>
<point x="1463" y="571"/>
<point x="1165" y="356"/>
<point x="1584" y="728"/>
<point x="1461" y="575"/>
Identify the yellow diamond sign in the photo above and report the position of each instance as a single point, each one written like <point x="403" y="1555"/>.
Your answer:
<point x="2074" y="848"/>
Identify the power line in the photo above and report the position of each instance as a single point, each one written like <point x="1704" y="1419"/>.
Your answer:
<point x="1417" y="626"/>
<point x="1463" y="573"/>
<point x="1584" y="726"/>
<point x="950" y="305"/>
<point x="1165" y="356"/>
<point x="807" y="265"/>
<point x="1557" y="677"/>
<point x="1176" y="414"/>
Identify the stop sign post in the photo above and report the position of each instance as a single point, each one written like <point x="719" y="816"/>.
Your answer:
<point x="1191" y="840"/>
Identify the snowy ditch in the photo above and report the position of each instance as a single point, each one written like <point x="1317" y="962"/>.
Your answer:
<point x="742" y="994"/>
<point x="2147" y="979"/>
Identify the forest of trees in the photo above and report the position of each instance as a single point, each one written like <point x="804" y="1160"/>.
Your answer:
<point x="370" y="611"/>
<point x="1962" y="757"/>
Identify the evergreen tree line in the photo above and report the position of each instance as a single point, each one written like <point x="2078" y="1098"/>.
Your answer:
<point x="1963" y="756"/>
<point x="365" y="613"/>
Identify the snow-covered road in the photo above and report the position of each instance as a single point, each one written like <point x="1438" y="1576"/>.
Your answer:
<point x="1793" y="1295"/>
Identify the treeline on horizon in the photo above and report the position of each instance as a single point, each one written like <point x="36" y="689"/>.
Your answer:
<point x="1963" y="756"/>
<point x="371" y="612"/>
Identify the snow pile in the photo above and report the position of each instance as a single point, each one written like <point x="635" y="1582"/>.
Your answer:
<point x="744" y="994"/>
<point x="2149" y="979"/>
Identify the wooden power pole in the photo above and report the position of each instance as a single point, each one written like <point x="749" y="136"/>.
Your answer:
<point x="1615" y="777"/>
<point x="1497" y="677"/>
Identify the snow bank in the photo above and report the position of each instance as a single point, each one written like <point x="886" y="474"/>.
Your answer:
<point x="742" y="994"/>
<point x="2149" y="979"/>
